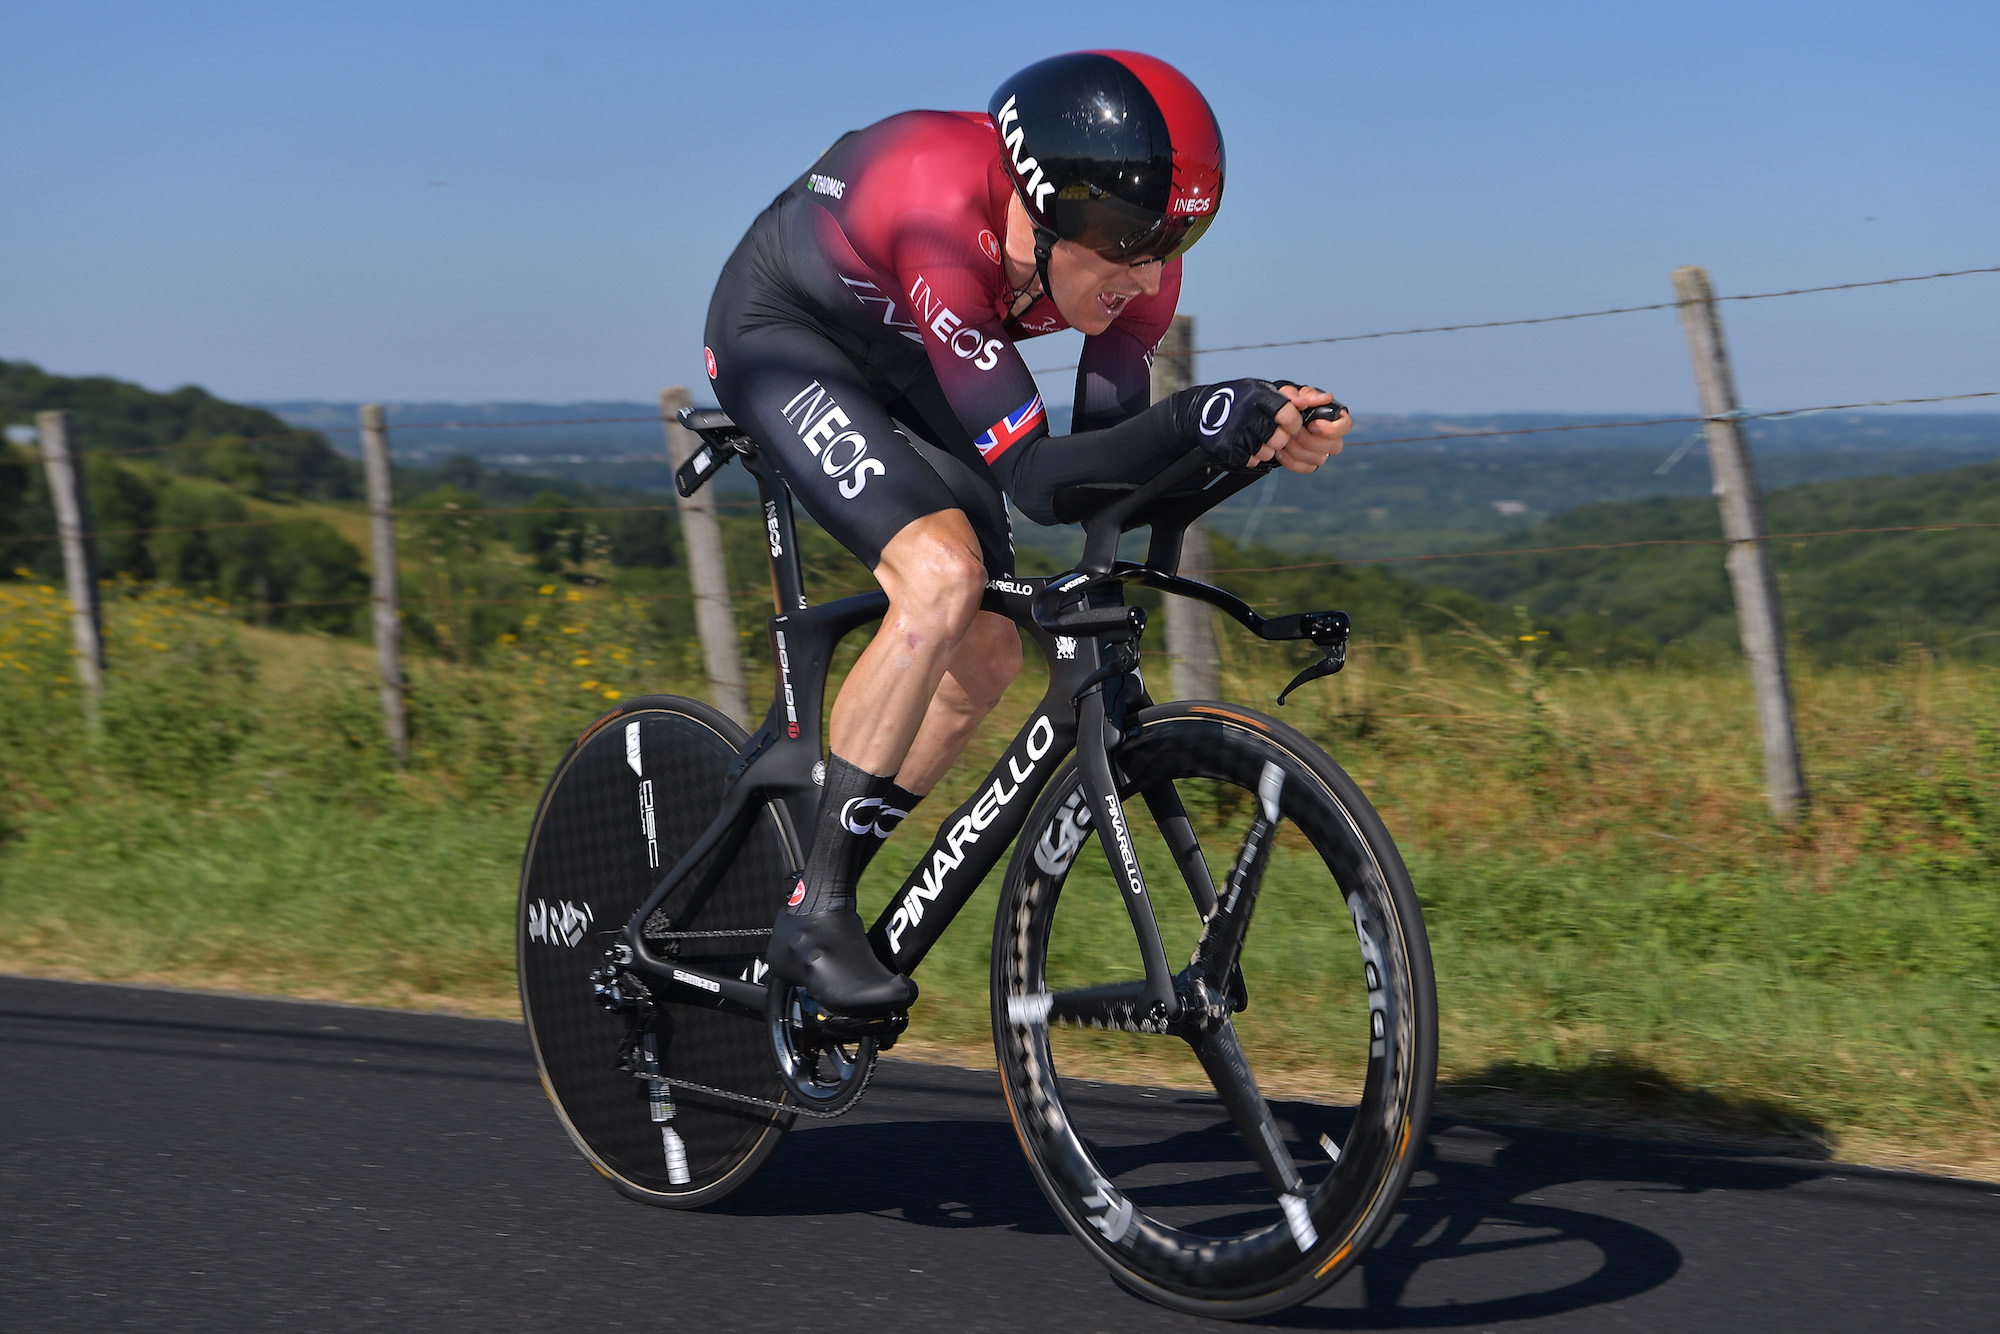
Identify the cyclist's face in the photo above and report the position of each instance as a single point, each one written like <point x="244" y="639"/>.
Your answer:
<point x="1091" y="291"/>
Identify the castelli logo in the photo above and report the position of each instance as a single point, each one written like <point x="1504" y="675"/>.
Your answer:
<point x="709" y="357"/>
<point x="798" y="894"/>
<point x="991" y="245"/>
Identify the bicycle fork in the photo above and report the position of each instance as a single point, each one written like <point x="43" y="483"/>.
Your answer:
<point x="1196" y="1003"/>
<point x="1096" y="737"/>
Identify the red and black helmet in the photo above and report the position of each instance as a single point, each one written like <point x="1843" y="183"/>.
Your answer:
<point x="1113" y="150"/>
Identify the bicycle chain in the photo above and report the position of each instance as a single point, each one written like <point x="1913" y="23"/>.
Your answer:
<point x="795" y="1109"/>
<point x="792" y="1107"/>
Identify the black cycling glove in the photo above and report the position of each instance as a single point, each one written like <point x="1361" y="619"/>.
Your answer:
<point x="1229" y="422"/>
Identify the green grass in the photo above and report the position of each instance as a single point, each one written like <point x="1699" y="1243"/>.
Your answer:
<point x="1623" y="936"/>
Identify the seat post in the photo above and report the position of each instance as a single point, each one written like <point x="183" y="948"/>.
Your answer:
<point x="781" y="536"/>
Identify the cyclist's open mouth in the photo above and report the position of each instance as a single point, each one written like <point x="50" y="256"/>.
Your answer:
<point x="1113" y="303"/>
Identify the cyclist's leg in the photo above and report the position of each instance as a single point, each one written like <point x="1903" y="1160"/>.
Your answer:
<point x="813" y="410"/>
<point x="989" y="656"/>
<point x="986" y="663"/>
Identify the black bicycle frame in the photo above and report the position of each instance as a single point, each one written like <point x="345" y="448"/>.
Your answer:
<point x="1094" y="692"/>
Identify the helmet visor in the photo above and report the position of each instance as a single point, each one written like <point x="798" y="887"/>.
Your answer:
<point x="1124" y="232"/>
<point x="1163" y="240"/>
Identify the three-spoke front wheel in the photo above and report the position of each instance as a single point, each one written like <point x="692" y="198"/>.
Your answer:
<point x="1289" y="1095"/>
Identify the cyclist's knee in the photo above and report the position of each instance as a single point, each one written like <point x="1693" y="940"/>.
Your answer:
<point x="934" y="577"/>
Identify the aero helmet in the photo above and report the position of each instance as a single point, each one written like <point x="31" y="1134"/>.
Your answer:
<point x="1113" y="150"/>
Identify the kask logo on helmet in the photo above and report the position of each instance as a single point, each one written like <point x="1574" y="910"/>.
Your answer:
<point x="1029" y="170"/>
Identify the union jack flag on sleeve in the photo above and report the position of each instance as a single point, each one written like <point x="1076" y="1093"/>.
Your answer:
<point x="1002" y="435"/>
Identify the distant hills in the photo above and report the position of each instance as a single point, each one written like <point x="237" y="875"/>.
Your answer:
<point x="118" y="416"/>
<point x="1391" y="499"/>
<point x="1863" y="596"/>
<point x="1851" y="597"/>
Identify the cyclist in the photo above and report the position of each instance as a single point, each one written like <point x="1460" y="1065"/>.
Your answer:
<point x="864" y="333"/>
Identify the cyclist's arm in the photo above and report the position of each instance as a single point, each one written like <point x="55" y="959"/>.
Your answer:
<point x="1114" y="376"/>
<point x="991" y="390"/>
<point x="1134" y="450"/>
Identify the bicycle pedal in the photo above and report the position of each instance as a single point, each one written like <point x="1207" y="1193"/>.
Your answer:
<point x="821" y="1024"/>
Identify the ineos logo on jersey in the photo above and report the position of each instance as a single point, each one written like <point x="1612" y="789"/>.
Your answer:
<point x="944" y="323"/>
<point x="1029" y="170"/>
<point x="841" y="453"/>
<point x="1215" y="412"/>
<point x="861" y="287"/>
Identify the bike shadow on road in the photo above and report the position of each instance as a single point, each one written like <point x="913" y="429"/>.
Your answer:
<point x="1500" y="1222"/>
<point x="1511" y="1223"/>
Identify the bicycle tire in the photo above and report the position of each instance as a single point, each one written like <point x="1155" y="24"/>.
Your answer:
<point x="1226" y="1246"/>
<point x="589" y="864"/>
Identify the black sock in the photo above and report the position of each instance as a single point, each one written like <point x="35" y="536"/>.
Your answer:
<point x="844" y="839"/>
<point x="896" y="808"/>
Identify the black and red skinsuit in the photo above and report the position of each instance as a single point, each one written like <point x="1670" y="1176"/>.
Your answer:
<point x="872" y="293"/>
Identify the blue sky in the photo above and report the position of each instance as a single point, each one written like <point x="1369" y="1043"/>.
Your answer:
<point x="530" y="201"/>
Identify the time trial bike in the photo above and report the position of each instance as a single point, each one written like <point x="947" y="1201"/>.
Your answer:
<point x="667" y="839"/>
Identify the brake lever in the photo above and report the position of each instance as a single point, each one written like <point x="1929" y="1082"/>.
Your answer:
<point x="1324" y="667"/>
<point x="1329" y="633"/>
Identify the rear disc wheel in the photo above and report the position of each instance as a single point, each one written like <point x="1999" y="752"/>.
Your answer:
<point x="630" y="796"/>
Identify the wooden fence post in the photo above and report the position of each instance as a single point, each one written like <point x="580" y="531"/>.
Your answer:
<point x="707" y="575"/>
<point x="1190" y="625"/>
<point x="387" y="622"/>
<point x="79" y="552"/>
<point x="1751" y="575"/>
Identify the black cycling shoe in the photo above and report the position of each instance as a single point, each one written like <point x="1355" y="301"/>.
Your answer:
<point x="828" y="954"/>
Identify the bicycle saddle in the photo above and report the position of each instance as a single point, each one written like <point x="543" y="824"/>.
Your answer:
<point x="707" y="421"/>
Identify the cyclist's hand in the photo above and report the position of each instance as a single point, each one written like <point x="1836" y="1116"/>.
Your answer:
<point x="1237" y="423"/>
<point x="1304" y="450"/>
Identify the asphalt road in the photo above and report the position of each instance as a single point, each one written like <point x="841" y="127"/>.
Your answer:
<point x="182" y="1161"/>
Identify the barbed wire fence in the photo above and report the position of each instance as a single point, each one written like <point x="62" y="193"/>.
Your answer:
<point x="1745" y="537"/>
